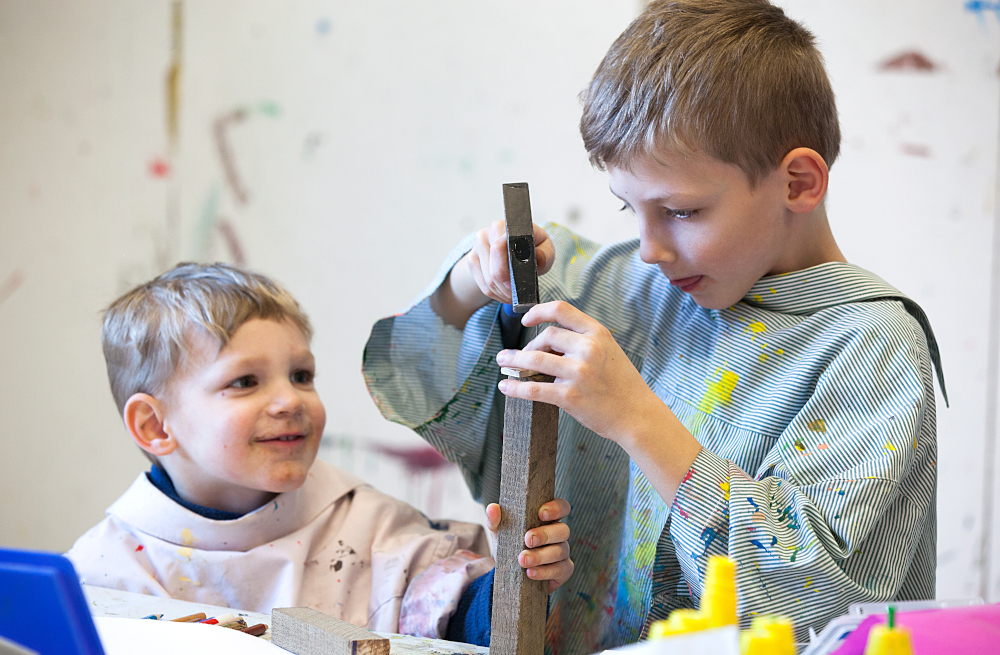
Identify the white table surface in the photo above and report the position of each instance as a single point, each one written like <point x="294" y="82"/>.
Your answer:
<point x="125" y="604"/>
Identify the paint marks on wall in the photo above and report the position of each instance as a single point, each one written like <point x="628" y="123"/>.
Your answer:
<point x="11" y="284"/>
<point x="981" y="7"/>
<point x="915" y="150"/>
<point x="232" y="240"/>
<point x="323" y="26"/>
<point x="912" y="61"/>
<point x="311" y="144"/>
<point x="159" y="168"/>
<point x="220" y="127"/>
<point x="173" y="81"/>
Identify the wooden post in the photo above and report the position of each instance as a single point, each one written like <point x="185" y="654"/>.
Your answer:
<point x="528" y="470"/>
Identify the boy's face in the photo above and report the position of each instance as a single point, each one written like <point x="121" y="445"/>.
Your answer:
<point x="247" y="419"/>
<point x="711" y="234"/>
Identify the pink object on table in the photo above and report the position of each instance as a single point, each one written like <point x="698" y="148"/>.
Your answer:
<point x="958" y="630"/>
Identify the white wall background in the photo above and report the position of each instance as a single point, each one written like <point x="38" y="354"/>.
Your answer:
<point x="367" y="138"/>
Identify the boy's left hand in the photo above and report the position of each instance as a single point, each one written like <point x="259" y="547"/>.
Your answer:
<point x="595" y="381"/>
<point x="547" y="557"/>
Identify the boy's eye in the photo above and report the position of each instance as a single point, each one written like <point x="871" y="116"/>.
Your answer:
<point x="303" y="377"/>
<point x="244" y="382"/>
<point x="680" y="213"/>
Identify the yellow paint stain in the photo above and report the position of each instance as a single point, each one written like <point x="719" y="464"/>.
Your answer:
<point x="808" y="582"/>
<point x="184" y="579"/>
<point x="800" y="445"/>
<point x="772" y="290"/>
<point x="762" y="357"/>
<point x="889" y="446"/>
<point x="819" y="425"/>
<point x="579" y="251"/>
<point x="755" y="327"/>
<point x="719" y="392"/>
<point x="187" y="538"/>
<point x="725" y="488"/>
<point x="779" y="351"/>
<point x="757" y="297"/>
<point x="184" y="551"/>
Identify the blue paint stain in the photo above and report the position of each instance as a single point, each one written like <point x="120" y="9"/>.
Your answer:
<point x="708" y="535"/>
<point x="323" y="26"/>
<point x="275" y="506"/>
<point x="591" y="605"/>
<point x="756" y="507"/>
<point x="756" y="542"/>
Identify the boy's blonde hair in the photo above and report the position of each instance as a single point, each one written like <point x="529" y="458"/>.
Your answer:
<point x="735" y="79"/>
<point x="145" y="331"/>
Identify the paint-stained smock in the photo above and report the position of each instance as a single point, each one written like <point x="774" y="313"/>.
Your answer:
<point x="812" y="397"/>
<point x="335" y="544"/>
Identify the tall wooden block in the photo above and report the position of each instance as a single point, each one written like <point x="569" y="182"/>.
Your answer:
<point x="527" y="482"/>
<point x="305" y="631"/>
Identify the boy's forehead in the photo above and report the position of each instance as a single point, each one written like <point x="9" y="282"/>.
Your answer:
<point x="670" y="175"/>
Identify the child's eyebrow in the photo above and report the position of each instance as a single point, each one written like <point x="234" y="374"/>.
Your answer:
<point x="668" y="198"/>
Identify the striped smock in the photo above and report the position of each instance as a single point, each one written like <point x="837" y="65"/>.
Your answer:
<point x="812" y="398"/>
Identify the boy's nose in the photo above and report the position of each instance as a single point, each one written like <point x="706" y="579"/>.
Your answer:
<point x="653" y="247"/>
<point x="286" y="400"/>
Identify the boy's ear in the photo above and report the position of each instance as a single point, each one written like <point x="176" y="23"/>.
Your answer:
<point x="807" y="177"/>
<point x="144" y="420"/>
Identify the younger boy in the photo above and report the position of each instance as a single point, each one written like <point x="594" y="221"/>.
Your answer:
<point x="212" y="371"/>
<point x="730" y="385"/>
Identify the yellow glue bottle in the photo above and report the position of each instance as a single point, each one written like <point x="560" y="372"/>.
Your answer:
<point x="718" y="603"/>
<point x="887" y="639"/>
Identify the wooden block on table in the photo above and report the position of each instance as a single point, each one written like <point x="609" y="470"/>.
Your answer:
<point x="527" y="482"/>
<point x="305" y="631"/>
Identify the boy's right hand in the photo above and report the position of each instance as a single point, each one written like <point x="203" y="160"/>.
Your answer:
<point x="483" y="274"/>
<point x="488" y="264"/>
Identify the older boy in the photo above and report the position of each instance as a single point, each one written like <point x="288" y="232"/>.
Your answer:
<point x="212" y="371"/>
<point x="732" y="385"/>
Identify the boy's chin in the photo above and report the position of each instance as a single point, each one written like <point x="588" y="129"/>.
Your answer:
<point x="287" y="478"/>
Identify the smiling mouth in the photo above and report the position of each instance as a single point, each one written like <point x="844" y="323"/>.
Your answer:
<point x="283" y="438"/>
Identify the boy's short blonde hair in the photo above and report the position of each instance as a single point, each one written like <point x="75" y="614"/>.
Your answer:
<point x="735" y="79"/>
<point x="145" y="331"/>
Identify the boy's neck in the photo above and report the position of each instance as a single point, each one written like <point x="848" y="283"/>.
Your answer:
<point x="810" y="243"/>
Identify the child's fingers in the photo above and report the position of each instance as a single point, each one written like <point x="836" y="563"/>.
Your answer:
<point x="543" y="361"/>
<point x="538" y="557"/>
<point x="556" y="573"/>
<point x="563" y="313"/>
<point x="552" y="533"/>
<point x="554" y="510"/>
<point x="493" y="517"/>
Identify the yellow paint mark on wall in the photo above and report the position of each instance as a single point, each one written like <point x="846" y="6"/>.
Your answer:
<point x="819" y="425"/>
<point x="719" y="392"/>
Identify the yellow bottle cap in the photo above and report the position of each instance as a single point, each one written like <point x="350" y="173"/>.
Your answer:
<point x="718" y="600"/>
<point x="769" y="635"/>
<point x="883" y="640"/>
<point x="679" y="622"/>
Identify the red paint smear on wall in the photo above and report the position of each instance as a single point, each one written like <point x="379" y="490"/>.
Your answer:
<point x="159" y="167"/>
<point x="11" y="284"/>
<point x="909" y="61"/>
<point x="915" y="150"/>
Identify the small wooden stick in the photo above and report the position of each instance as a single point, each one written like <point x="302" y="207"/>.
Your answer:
<point x="527" y="482"/>
<point x="191" y="618"/>
<point x="305" y="631"/>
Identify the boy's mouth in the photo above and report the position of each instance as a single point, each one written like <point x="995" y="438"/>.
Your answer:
<point x="687" y="283"/>
<point x="283" y="438"/>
